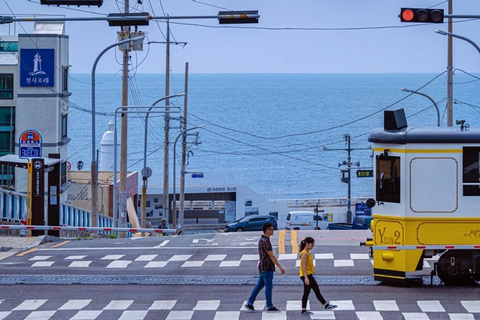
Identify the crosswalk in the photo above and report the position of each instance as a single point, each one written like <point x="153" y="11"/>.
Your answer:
<point x="120" y="261"/>
<point x="90" y="309"/>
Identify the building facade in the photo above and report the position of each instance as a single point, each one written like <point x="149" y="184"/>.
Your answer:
<point x="34" y="96"/>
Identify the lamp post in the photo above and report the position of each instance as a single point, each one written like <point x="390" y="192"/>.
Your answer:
<point x="429" y="98"/>
<point x="115" y="143"/>
<point x="145" y="174"/>
<point x="453" y="35"/>
<point x="94" y="165"/>
<point x="174" y="222"/>
<point x="444" y="33"/>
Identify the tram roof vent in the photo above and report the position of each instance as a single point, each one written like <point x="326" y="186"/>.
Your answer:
<point x="394" y="119"/>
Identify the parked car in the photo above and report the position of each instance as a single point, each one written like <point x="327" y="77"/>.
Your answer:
<point x="304" y="220"/>
<point x="250" y="223"/>
<point x="360" y="222"/>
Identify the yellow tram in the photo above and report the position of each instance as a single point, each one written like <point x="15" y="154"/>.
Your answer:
<point x="427" y="201"/>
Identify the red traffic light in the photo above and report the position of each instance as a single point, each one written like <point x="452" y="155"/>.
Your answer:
<point x="407" y="15"/>
<point x="421" y="15"/>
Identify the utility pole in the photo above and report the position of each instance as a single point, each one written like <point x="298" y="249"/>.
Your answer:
<point x="166" y="198"/>
<point x="184" y="149"/>
<point x="450" y="69"/>
<point x="346" y="173"/>
<point x="124" y="131"/>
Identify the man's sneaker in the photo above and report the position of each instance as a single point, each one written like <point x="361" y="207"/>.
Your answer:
<point x="250" y="308"/>
<point x="306" y="313"/>
<point x="330" y="306"/>
<point x="273" y="309"/>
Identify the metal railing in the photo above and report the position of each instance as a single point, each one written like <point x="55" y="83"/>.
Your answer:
<point x="13" y="210"/>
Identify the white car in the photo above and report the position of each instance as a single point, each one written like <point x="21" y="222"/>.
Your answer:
<point x="304" y="220"/>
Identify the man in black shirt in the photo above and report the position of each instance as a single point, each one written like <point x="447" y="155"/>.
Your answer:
<point x="266" y="267"/>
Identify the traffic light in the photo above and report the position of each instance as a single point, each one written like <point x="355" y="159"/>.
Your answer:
<point x="238" y="17"/>
<point x="421" y="15"/>
<point x="78" y="3"/>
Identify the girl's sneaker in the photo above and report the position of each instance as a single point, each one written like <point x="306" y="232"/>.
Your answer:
<point x="330" y="306"/>
<point x="306" y="313"/>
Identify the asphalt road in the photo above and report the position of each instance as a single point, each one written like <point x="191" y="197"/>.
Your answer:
<point x="209" y="276"/>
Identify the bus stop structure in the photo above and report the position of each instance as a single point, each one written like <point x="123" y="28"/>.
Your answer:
<point x="41" y="167"/>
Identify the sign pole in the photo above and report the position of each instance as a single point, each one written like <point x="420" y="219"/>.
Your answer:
<point x="28" y="220"/>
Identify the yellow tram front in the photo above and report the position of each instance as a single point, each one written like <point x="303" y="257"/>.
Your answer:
<point x="427" y="202"/>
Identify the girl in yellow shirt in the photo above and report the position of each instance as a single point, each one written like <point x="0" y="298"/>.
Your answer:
<point x="307" y="270"/>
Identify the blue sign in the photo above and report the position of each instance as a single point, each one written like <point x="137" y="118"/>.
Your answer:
<point x="30" y="145"/>
<point x="197" y="175"/>
<point x="362" y="208"/>
<point x="37" y="67"/>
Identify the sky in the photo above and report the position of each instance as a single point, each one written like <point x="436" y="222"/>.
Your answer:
<point x="301" y="36"/>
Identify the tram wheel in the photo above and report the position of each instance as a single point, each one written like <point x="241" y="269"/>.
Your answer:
<point x="453" y="268"/>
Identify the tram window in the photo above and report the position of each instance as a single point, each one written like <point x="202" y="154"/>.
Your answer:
<point x="388" y="179"/>
<point x="471" y="171"/>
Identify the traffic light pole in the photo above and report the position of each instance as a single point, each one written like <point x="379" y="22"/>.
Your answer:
<point x="450" y="70"/>
<point x="347" y="179"/>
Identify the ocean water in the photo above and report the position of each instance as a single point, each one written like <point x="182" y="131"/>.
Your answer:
<point x="280" y="134"/>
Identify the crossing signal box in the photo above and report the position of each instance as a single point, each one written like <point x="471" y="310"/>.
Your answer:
<point x="421" y="15"/>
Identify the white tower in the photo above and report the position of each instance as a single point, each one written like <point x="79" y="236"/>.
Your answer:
<point x="107" y="148"/>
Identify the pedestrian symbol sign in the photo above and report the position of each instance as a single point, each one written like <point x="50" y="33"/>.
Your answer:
<point x="30" y="144"/>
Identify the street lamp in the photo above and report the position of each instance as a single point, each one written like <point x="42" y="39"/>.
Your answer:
<point x="429" y="98"/>
<point x="115" y="143"/>
<point x="145" y="174"/>
<point x="174" y="170"/>
<point x="94" y="165"/>
<point x="444" y="33"/>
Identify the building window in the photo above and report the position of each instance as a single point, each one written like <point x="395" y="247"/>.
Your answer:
<point x="7" y="143"/>
<point x="65" y="79"/>
<point x="6" y="86"/>
<point x="471" y="171"/>
<point x="388" y="178"/>
<point x="64" y="126"/>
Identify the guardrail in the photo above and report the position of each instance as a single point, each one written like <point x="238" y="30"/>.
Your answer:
<point x="13" y="209"/>
<point x="67" y="228"/>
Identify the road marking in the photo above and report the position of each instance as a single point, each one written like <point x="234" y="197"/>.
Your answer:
<point x="60" y="244"/>
<point x="293" y="240"/>
<point x="472" y="305"/>
<point x="281" y="242"/>
<point x="207" y="305"/>
<point x="215" y="257"/>
<point x="30" y="305"/>
<point x="430" y="306"/>
<point x="26" y="252"/>
<point x="385" y="305"/>
<point x="119" y="264"/>
<point x="118" y="305"/>
<point x="80" y="264"/>
<point x="75" y="304"/>
<point x="164" y="243"/>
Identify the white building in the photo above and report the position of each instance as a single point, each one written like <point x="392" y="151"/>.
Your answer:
<point x="34" y="95"/>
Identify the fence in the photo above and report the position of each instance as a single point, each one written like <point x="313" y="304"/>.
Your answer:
<point x="13" y="211"/>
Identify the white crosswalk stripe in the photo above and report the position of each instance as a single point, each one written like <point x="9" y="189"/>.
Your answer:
<point x="121" y="261"/>
<point x="88" y="309"/>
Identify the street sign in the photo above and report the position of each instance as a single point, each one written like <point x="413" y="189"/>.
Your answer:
<point x="30" y="143"/>
<point x="197" y="175"/>
<point x="364" y="173"/>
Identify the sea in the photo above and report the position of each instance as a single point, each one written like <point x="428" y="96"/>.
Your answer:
<point x="282" y="135"/>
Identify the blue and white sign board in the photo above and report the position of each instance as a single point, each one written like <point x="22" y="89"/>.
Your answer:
<point x="30" y="145"/>
<point x="197" y="175"/>
<point x="37" y="67"/>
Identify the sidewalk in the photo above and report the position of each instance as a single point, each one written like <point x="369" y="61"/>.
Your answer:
<point x="11" y="242"/>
